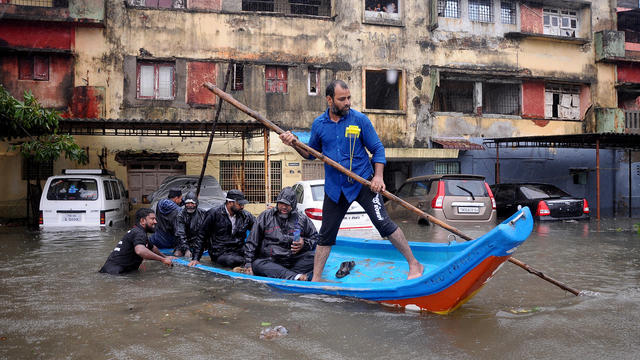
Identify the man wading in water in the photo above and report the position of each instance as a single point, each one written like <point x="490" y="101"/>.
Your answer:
<point x="344" y="135"/>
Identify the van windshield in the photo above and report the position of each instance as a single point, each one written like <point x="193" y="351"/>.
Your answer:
<point x="72" y="189"/>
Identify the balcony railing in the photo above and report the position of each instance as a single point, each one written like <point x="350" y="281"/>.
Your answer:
<point x="632" y="121"/>
<point x="38" y="3"/>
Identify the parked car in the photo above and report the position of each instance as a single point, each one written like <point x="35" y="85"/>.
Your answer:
<point x="453" y="198"/>
<point x="546" y="201"/>
<point x="83" y="197"/>
<point x="211" y="194"/>
<point x="310" y="196"/>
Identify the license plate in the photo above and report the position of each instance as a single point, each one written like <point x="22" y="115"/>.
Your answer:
<point x="71" y="218"/>
<point x="468" y="210"/>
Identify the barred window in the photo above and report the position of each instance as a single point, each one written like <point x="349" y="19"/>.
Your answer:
<point x="501" y="98"/>
<point x="481" y="10"/>
<point x="254" y="183"/>
<point x="454" y="96"/>
<point x="312" y="170"/>
<point x="238" y="77"/>
<point x="32" y="169"/>
<point x="38" y="3"/>
<point x="384" y="89"/>
<point x="290" y="7"/>
<point x="508" y="12"/>
<point x="449" y="8"/>
<point x="446" y="167"/>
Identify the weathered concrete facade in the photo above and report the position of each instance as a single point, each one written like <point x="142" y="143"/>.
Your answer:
<point x="420" y="71"/>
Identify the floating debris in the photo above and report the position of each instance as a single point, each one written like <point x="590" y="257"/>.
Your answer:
<point x="274" y="332"/>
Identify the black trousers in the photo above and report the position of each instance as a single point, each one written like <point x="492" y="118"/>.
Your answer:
<point x="228" y="259"/>
<point x="300" y="264"/>
<point x="333" y="213"/>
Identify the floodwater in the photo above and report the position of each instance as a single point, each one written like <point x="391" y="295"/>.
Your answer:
<point x="55" y="305"/>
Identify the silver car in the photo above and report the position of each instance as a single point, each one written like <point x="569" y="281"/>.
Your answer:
<point x="452" y="198"/>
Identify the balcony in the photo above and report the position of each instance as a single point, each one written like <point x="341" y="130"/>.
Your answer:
<point x="76" y="11"/>
<point x="609" y="45"/>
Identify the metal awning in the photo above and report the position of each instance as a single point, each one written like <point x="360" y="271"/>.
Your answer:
<point x="576" y="141"/>
<point x="160" y="127"/>
<point x="456" y="143"/>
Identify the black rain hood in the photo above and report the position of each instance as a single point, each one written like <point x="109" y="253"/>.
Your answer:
<point x="288" y="196"/>
<point x="190" y="196"/>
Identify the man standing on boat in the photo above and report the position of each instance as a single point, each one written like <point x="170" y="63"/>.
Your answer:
<point x="345" y="135"/>
<point x="167" y="211"/>
<point x="281" y="242"/>
<point x="135" y="246"/>
<point x="224" y="230"/>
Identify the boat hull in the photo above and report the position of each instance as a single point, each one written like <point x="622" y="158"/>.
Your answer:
<point x="454" y="272"/>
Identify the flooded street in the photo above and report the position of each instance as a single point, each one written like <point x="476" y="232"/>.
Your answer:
<point x="56" y="305"/>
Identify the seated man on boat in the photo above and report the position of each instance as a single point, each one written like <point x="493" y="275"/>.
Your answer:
<point x="188" y="224"/>
<point x="135" y="246"/>
<point x="224" y="230"/>
<point x="166" y="212"/>
<point x="281" y="242"/>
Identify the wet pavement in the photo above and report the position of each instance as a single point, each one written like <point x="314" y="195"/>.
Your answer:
<point x="54" y="304"/>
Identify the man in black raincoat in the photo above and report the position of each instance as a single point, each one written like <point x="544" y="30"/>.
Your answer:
<point x="188" y="224"/>
<point x="282" y="240"/>
<point x="224" y="230"/>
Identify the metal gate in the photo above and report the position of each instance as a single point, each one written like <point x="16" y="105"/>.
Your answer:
<point x="145" y="177"/>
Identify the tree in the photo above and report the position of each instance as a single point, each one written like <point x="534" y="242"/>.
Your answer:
<point x="35" y="131"/>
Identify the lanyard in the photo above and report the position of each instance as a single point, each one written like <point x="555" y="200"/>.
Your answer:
<point x="352" y="132"/>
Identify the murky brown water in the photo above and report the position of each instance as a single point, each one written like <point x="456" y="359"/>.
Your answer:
<point x="55" y="305"/>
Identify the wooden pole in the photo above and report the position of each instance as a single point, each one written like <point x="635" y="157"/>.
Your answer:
<point x="267" y="169"/>
<point x="365" y="182"/>
<point x="598" y="179"/>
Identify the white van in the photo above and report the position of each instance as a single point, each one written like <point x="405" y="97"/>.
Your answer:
<point x="84" y="197"/>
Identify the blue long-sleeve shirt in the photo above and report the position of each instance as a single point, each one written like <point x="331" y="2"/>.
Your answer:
<point x="328" y="137"/>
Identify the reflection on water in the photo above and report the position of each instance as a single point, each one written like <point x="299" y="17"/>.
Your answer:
<point x="56" y="305"/>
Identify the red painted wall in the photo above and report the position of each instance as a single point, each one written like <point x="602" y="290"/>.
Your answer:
<point x="531" y="19"/>
<point x="197" y="74"/>
<point x="628" y="73"/>
<point x="54" y="93"/>
<point x="205" y="4"/>
<point x="533" y="99"/>
<point x="36" y="36"/>
<point x="87" y="102"/>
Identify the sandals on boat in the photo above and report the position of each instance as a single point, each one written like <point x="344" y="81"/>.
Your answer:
<point x="345" y="268"/>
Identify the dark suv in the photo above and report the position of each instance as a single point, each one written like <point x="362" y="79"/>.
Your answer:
<point x="453" y="198"/>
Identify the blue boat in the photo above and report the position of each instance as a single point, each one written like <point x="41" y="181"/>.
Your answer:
<point x="453" y="273"/>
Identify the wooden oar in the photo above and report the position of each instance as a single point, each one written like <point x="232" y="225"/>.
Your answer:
<point x="240" y="106"/>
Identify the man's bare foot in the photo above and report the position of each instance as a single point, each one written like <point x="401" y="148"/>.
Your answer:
<point x="303" y="277"/>
<point x="415" y="270"/>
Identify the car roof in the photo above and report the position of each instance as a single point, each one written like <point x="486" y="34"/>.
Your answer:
<point x="446" y="176"/>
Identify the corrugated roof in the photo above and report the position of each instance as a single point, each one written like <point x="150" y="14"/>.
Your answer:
<point x="578" y="141"/>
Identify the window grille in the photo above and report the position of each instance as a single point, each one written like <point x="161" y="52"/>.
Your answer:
<point x="448" y="167"/>
<point x="312" y="81"/>
<point x="38" y="3"/>
<point x="383" y="89"/>
<point x="290" y="7"/>
<point x="449" y="8"/>
<point x="312" y="170"/>
<point x="480" y="10"/>
<point x="254" y="186"/>
<point x="560" y="22"/>
<point x="454" y="96"/>
<point x="501" y="99"/>
<point x="508" y="12"/>
<point x="32" y="169"/>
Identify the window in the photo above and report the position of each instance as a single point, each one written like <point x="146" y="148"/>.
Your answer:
<point x="156" y="81"/>
<point x="73" y="189"/>
<point x="560" y="22"/>
<point x="114" y="190"/>
<point x="449" y="8"/>
<point x="162" y="4"/>
<point x="290" y="7"/>
<point x="579" y="176"/>
<point x="454" y="96"/>
<point x="108" y="195"/>
<point x="387" y="6"/>
<point x="480" y="10"/>
<point x="508" y="12"/>
<point x="384" y="89"/>
<point x="446" y="167"/>
<point x="276" y="79"/>
<point x="501" y="99"/>
<point x="33" y="67"/>
<point x="254" y="186"/>
<point x="312" y="170"/>
<point x="312" y="82"/>
<point x="562" y="102"/>
<point x="238" y="77"/>
<point x="33" y="170"/>
<point x="37" y="3"/>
